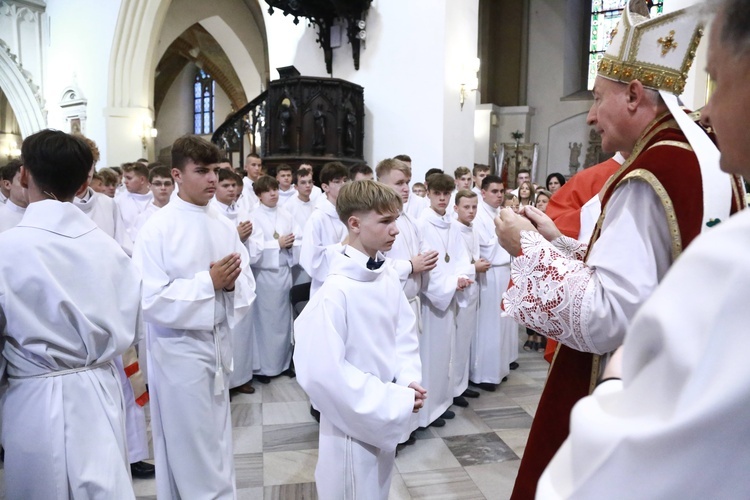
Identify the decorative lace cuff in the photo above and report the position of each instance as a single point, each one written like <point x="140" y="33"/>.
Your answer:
<point x="571" y="248"/>
<point x="547" y="292"/>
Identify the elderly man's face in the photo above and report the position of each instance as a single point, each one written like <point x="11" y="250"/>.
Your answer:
<point x="608" y="115"/>
<point x="727" y="109"/>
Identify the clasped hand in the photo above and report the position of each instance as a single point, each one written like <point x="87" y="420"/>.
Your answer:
<point x="508" y="227"/>
<point x="225" y="271"/>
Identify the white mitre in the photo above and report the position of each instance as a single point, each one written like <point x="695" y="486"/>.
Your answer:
<point x="658" y="53"/>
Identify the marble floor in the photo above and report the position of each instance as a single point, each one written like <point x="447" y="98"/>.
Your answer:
<point x="475" y="456"/>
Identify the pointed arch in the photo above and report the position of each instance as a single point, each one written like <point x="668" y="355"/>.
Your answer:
<point x="23" y="95"/>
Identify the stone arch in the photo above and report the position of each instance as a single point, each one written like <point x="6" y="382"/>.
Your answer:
<point x="23" y="95"/>
<point x="133" y="60"/>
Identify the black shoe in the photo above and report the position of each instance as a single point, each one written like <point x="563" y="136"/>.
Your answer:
<point x="485" y="386"/>
<point x="289" y="372"/>
<point x="412" y="439"/>
<point x="460" y="401"/>
<point x="439" y="422"/>
<point x="263" y="379"/>
<point x="315" y="414"/>
<point x="514" y="366"/>
<point x="505" y="379"/>
<point x="447" y="415"/>
<point x="468" y="393"/>
<point x="142" y="470"/>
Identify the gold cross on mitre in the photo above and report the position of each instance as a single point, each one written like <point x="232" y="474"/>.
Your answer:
<point x="612" y="34"/>
<point x="667" y="43"/>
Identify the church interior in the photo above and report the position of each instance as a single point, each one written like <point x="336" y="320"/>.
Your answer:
<point x="448" y="82"/>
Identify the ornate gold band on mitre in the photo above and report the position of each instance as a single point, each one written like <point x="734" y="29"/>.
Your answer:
<point x="657" y="52"/>
<point x="651" y="76"/>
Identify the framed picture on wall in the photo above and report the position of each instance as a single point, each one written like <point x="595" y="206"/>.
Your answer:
<point x="513" y="157"/>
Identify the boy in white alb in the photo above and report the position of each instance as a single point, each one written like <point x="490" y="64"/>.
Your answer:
<point x="359" y="363"/>
<point x="162" y="186"/>
<point x="495" y="344"/>
<point x="286" y="187"/>
<point x="243" y="334"/>
<point x="137" y="196"/>
<point x="439" y="287"/>
<point x="301" y="208"/>
<point x="409" y="253"/>
<point x="468" y="298"/>
<point x="479" y="172"/>
<point x="273" y="275"/>
<point x="462" y="176"/>
<point x="197" y="285"/>
<point x="324" y="230"/>
<point x="103" y="211"/>
<point x="247" y="200"/>
<point x="63" y="422"/>
<point x="12" y="211"/>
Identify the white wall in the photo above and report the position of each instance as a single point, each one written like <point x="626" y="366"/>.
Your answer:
<point x="175" y="116"/>
<point x="80" y="41"/>
<point x="406" y="69"/>
<point x="545" y="87"/>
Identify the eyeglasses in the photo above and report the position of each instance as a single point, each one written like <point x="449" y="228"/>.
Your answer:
<point x="160" y="184"/>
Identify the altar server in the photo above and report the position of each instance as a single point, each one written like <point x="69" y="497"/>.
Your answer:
<point x="197" y="285"/>
<point x="63" y="414"/>
<point x="358" y="362"/>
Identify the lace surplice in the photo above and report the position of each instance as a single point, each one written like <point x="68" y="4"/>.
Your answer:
<point x="549" y="282"/>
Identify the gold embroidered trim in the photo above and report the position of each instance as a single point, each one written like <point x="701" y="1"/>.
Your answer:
<point x="661" y="192"/>
<point x="738" y="192"/>
<point x="637" y="149"/>
<point x="677" y="144"/>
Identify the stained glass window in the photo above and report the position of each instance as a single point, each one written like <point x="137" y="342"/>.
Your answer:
<point x="605" y="15"/>
<point x="203" y="110"/>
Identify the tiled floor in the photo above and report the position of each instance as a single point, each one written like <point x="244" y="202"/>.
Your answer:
<point x="476" y="455"/>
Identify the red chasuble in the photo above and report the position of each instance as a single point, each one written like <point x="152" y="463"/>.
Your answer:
<point x="663" y="158"/>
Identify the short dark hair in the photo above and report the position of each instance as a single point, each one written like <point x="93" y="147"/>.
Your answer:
<point x="332" y="171"/>
<point x="478" y="167"/>
<point x="735" y="29"/>
<point x="225" y="173"/>
<point x="253" y="155"/>
<point x="430" y="172"/>
<point x="193" y="148"/>
<point x="491" y="179"/>
<point x="557" y="175"/>
<point x="405" y="158"/>
<point x="264" y="184"/>
<point x="523" y="171"/>
<point x="137" y="168"/>
<point x="440" y="183"/>
<point x="159" y="171"/>
<point x="155" y="164"/>
<point x="360" y="168"/>
<point x="117" y="170"/>
<point x="10" y="170"/>
<point x="58" y="162"/>
<point x="92" y="145"/>
<point x="284" y="168"/>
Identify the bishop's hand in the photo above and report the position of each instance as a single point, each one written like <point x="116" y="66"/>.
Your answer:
<point x="542" y="222"/>
<point x="508" y="227"/>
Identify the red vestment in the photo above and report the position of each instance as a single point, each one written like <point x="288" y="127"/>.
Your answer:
<point x="672" y="169"/>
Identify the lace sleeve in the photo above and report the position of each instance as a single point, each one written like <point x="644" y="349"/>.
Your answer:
<point x="569" y="247"/>
<point x="547" y="292"/>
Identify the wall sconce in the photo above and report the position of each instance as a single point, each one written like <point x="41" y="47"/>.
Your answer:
<point x="469" y="76"/>
<point x="10" y="150"/>
<point x="146" y="131"/>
